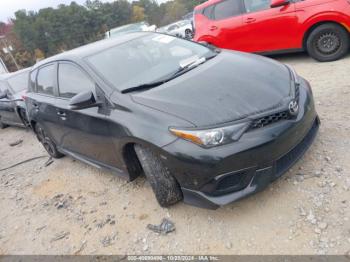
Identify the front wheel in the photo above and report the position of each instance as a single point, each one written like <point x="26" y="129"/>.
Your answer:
<point x="328" y="42"/>
<point x="48" y="144"/>
<point x="164" y="185"/>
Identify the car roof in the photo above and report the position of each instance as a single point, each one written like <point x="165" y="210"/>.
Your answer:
<point x="206" y="4"/>
<point x="93" y="48"/>
<point x="4" y="77"/>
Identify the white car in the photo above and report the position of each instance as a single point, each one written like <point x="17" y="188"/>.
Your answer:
<point x="182" y="29"/>
<point x="130" y="28"/>
<point x="3" y="68"/>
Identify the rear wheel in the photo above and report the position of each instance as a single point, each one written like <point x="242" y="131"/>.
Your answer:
<point x="188" y="34"/>
<point x="164" y="185"/>
<point x="23" y="116"/>
<point x="48" y="144"/>
<point x="328" y="42"/>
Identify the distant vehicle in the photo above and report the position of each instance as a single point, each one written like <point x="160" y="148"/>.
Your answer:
<point x="188" y="16"/>
<point x="182" y="29"/>
<point x="321" y="27"/>
<point x="207" y="125"/>
<point x="13" y="87"/>
<point x="131" y="28"/>
<point x="3" y="68"/>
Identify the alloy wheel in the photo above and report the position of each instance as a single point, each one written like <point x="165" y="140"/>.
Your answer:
<point x="328" y="43"/>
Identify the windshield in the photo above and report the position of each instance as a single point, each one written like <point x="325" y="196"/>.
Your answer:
<point x="145" y="59"/>
<point x="19" y="82"/>
<point x="128" y="28"/>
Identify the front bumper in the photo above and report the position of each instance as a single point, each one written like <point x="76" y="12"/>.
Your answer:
<point x="213" y="177"/>
<point x="259" y="179"/>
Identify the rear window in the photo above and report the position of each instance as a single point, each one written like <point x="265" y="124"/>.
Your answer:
<point x="208" y="11"/>
<point x="19" y="82"/>
<point x="226" y="9"/>
<point x="46" y="80"/>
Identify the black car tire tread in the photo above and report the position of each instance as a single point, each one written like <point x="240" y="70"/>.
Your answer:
<point x="47" y="142"/>
<point x="339" y="31"/>
<point x="164" y="185"/>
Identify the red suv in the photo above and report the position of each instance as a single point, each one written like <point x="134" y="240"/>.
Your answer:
<point x="321" y="27"/>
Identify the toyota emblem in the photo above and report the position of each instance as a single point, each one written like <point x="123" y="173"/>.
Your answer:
<point x="293" y="108"/>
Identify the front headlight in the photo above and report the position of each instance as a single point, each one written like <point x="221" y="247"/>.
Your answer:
<point x="212" y="137"/>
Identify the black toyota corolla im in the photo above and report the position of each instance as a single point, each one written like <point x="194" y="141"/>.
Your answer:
<point x="205" y="125"/>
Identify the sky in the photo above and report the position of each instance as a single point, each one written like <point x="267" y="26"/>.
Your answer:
<point x="9" y="7"/>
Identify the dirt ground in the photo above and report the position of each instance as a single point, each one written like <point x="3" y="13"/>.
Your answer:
<point x="69" y="207"/>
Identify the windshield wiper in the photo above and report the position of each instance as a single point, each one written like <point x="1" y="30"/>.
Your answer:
<point x="143" y="86"/>
<point x="181" y="70"/>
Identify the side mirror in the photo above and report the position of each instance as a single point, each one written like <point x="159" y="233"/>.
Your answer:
<point x="83" y="100"/>
<point x="278" y="3"/>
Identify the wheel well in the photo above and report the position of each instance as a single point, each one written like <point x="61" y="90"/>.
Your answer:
<point x="132" y="161"/>
<point x="32" y="124"/>
<point x="308" y="32"/>
<point x="22" y="117"/>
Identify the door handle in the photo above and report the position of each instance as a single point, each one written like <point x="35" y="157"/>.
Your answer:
<point x="61" y="114"/>
<point x="36" y="106"/>
<point x="250" y="20"/>
<point x="213" y="28"/>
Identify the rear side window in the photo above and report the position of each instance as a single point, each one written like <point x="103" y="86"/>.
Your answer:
<point x="227" y="8"/>
<point x="72" y="81"/>
<point x="19" y="82"/>
<point x="256" y="5"/>
<point x="46" y="80"/>
<point x="208" y="11"/>
<point x="32" y="81"/>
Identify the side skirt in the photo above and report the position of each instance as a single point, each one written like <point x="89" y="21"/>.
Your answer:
<point x="95" y="163"/>
<point x="280" y="52"/>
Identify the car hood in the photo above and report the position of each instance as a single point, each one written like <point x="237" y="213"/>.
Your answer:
<point x="229" y="87"/>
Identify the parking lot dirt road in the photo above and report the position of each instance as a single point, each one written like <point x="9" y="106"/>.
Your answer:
<point x="69" y="207"/>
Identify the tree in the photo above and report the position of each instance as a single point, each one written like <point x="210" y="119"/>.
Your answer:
<point x="138" y="13"/>
<point x="54" y="30"/>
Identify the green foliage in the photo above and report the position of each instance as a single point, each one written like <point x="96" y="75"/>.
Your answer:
<point x="68" y="26"/>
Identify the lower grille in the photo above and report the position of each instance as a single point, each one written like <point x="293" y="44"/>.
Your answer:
<point x="285" y="162"/>
<point x="270" y="119"/>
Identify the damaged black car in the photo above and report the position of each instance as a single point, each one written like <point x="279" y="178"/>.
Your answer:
<point x="13" y="88"/>
<point x="206" y="126"/>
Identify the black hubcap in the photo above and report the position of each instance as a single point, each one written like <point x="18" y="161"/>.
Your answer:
<point x="328" y="43"/>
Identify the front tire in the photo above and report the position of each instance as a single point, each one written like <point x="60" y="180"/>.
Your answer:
<point x="328" y="42"/>
<point x="46" y="141"/>
<point x="164" y="185"/>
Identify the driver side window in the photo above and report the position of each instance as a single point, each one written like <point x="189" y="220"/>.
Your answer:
<point x="256" y="5"/>
<point x="72" y="81"/>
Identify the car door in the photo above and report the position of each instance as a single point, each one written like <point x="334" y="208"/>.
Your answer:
<point x="225" y="24"/>
<point x="270" y="29"/>
<point x="41" y="100"/>
<point x="7" y="105"/>
<point x="18" y="85"/>
<point x="84" y="132"/>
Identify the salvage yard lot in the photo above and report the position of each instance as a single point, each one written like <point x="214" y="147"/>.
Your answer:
<point x="69" y="207"/>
